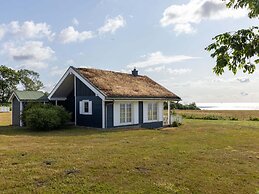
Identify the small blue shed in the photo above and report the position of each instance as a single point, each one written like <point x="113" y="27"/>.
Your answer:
<point x="19" y="99"/>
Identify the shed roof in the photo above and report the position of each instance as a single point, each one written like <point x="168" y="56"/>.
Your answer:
<point x="124" y="85"/>
<point x="38" y="96"/>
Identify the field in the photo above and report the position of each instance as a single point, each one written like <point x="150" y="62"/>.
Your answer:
<point x="220" y="114"/>
<point x="201" y="156"/>
<point x="5" y="119"/>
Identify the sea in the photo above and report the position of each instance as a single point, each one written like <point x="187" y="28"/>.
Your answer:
<point x="228" y="106"/>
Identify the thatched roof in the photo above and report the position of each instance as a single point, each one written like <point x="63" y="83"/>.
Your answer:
<point x="123" y="85"/>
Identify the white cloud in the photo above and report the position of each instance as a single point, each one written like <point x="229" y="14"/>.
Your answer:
<point x="2" y="32"/>
<point x="183" y="16"/>
<point x="244" y="94"/>
<point x="32" y="54"/>
<point x="112" y="24"/>
<point x="28" y="30"/>
<point x="158" y="58"/>
<point x="169" y="70"/>
<point x="243" y="80"/>
<point x="75" y="22"/>
<point x="57" y="71"/>
<point x="69" y="35"/>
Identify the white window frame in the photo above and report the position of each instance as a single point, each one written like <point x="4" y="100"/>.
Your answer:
<point x="126" y="113"/>
<point x="82" y="107"/>
<point x="152" y="111"/>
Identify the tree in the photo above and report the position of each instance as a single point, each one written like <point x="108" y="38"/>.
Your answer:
<point x="30" y="79"/>
<point x="240" y="49"/>
<point x="10" y="78"/>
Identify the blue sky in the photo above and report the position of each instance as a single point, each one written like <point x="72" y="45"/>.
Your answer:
<point x="163" y="39"/>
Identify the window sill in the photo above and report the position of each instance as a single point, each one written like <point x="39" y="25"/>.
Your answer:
<point x="120" y="124"/>
<point x="151" y="121"/>
<point x="85" y="113"/>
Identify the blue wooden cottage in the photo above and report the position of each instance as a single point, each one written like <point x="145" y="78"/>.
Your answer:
<point x="107" y="99"/>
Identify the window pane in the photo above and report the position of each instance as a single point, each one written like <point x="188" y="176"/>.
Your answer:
<point x="155" y="111"/>
<point x="128" y="113"/>
<point x="149" y="111"/>
<point x="86" y="107"/>
<point x="122" y="113"/>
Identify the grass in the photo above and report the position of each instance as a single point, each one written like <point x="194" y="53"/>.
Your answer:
<point x="201" y="156"/>
<point x="5" y="118"/>
<point x="220" y="114"/>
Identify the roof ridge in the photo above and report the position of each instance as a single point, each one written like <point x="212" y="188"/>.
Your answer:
<point x="112" y="71"/>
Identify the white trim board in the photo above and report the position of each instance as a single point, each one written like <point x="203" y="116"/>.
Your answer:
<point x="11" y="97"/>
<point x="70" y="70"/>
<point x="88" y="84"/>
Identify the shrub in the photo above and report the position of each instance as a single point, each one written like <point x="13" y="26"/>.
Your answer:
<point x="176" y="124"/>
<point x="254" y="119"/>
<point x="45" y="117"/>
<point x="233" y="118"/>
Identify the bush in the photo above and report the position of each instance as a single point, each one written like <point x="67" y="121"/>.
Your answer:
<point x="177" y="105"/>
<point x="254" y="119"/>
<point x="176" y="124"/>
<point x="45" y="117"/>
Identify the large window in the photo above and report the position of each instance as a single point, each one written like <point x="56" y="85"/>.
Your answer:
<point x="125" y="113"/>
<point x="152" y="111"/>
<point x="85" y="107"/>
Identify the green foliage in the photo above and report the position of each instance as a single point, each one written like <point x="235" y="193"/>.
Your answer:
<point x="204" y="117"/>
<point x="30" y="79"/>
<point x="233" y="118"/>
<point x="10" y="78"/>
<point x="254" y="119"/>
<point x="240" y="49"/>
<point x="6" y="104"/>
<point x="174" y="105"/>
<point x="44" y="117"/>
<point x="176" y="124"/>
<point x="236" y="50"/>
<point x="252" y="5"/>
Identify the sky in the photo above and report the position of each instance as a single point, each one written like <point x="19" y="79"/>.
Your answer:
<point x="164" y="40"/>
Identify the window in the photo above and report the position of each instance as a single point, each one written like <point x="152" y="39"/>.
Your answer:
<point x="85" y="107"/>
<point x="125" y="113"/>
<point x="152" y="111"/>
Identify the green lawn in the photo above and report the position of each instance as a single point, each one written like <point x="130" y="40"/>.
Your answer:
<point x="198" y="157"/>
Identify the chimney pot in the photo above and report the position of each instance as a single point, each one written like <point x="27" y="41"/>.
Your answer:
<point x="135" y="72"/>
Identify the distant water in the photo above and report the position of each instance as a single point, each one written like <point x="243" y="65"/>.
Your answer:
<point x="228" y="106"/>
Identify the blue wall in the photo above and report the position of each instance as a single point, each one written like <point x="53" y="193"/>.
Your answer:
<point x="152" y="125"/>
<point x="85" y="93"/>
<point x="109" y="114"/>
<point x="140" y="110"/>
<point x="69" y="105"/>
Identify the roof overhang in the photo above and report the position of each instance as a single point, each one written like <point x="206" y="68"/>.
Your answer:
<point x="62" y="86"/>
<point x="144" y="98"/>
<point x="12" y="96"/>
